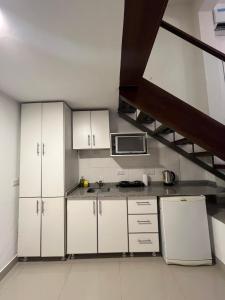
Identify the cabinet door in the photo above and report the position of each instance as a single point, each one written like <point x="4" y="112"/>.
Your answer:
<point x="81" y="130"/>
<point x="29" y="227"/>
<point x="52" y="150"/>
<point x="100" y="129"/>
<point x="53" y="217"/>
<point x="30" y="150"/>
<point x="81" y="226"/>
<point x="112" y="226"/>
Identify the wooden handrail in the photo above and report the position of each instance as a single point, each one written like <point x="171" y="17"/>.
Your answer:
<point x="194" y="41"/>
<point x="178" y="115"/>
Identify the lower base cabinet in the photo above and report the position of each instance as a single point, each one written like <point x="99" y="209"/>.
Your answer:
<point x="101" y="226"/>
<point x="144" y="242"/>
<point x="112" y="226"/>
<point x="82" y="226"/>
<point x="97" y="226"/>
<point x="29" y="235"/>
<point x="41" y="227"/>
<point x="143" y="224"/>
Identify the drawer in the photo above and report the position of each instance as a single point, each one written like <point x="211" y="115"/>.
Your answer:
<point x="144" y="242"/>
<point x="142" y="205"/>
<point x="143" y="223"/>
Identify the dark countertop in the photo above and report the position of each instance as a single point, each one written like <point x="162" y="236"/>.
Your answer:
<point x="185" y="188"/>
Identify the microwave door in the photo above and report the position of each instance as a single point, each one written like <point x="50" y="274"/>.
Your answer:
<point x="130" y="144"/>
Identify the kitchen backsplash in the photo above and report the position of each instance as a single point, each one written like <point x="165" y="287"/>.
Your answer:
<point x="98" y="165"/>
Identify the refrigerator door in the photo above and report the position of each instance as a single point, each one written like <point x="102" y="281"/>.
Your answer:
<point x="185" y="233"/>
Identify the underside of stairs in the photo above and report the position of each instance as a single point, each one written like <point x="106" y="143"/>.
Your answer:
<point x="166" y="118"/>
<point x="172" y="139"/>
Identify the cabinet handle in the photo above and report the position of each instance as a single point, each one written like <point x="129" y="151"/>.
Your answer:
<point x="43" y="208"/>
<point x="93" y="139"/>
<point x="89" y="140"/>
<point x="143" y="203"/>
<point x="43" y="149"/>
<point x="38" y="149"/>
<point x="143" y="242"/>
<point x="94" y="210"/>
<point x="37" y="207"/>
<point x="144" y="222"/>
<point x="100" y="208"/>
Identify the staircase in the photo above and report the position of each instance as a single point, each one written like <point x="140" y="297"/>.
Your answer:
<point x="173" y="140"/>
<point x="166" y="118"/>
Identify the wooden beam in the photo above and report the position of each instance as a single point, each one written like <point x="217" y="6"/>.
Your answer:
<point x="178" y="115"/>
<point x="142" y="19"/>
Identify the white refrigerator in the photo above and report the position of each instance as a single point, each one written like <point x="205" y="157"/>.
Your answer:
<point x="185" y="231"/>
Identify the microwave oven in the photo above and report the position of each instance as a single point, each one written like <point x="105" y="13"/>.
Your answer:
<point x="130" y="144"/>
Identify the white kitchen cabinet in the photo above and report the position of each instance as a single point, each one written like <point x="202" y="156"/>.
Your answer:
<point x="91" y="130"/>
<point x="41" y="227"/>
<point x="53" y="150"/>
<point x="46" y="150"/>
<point x="42" y="172"/>
<point x="29" y="227"/>
<point x="100" y="129"/>
<point x="52" y="230"/>
<point x="82" y="130"/>
<point x="112" y="226"/>
<point x="82" y="226"/>
<point x="144" y="242"/>
<point x="30" y="150"/>
<point x="143" y="224"/>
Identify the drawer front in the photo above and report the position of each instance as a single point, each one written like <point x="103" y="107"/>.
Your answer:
<point x="143" y="223"/>
<point x="144" y="242"/>
<point x="142" y="206"/>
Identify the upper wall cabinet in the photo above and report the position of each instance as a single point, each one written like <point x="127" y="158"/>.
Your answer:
<point x="45" y="150"/>
<point x="91" y="130"/>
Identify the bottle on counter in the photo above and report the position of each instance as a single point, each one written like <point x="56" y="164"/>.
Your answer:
<point x="85" y="183"/>
<point x="82" y="181"/>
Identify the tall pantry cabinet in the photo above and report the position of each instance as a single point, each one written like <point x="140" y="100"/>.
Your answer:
<point x="48" y="169"/>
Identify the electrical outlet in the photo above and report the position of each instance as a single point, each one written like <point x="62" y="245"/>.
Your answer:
<point x="120" y="172"/>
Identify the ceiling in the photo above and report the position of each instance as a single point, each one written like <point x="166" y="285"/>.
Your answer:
<point x="61" y="50"/>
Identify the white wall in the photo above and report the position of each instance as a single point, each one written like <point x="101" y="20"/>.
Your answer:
<point x="176" y="65"/>
<point x="217" y="230"/>
<point x="214" y="68"/>
<point x="9" y="136"/>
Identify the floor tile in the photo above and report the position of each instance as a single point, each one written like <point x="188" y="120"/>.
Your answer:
<point x="93" y="281"/>
<point x="39" y="280"/>
<point x="150" y="279"/>
<point x="130" y="278"/>
<point x="200" y="283"/>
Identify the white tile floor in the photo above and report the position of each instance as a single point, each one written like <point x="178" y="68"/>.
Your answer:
<point x="112" y="279"/>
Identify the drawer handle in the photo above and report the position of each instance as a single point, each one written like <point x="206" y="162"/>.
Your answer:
<point x="144" y="222"/>
<point x="143" y="203"/>
<point x="144" y="242"/>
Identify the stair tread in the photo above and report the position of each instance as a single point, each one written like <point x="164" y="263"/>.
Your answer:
<point x="144" y="118"/>
<point x="126" y="108"/>
<point x="183" y="141"/>
<point x="163" y="130"/>
<point x="202" y="153"/>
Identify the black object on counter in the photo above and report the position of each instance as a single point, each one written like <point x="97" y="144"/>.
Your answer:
<point x="135" y="183"/>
